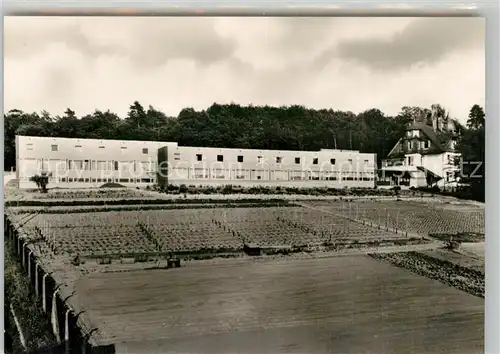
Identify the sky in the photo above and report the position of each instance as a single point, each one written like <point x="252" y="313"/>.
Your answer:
<point x="352" y="64"/>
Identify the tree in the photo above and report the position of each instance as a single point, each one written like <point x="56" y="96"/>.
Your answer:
<point x="41" y="181"/>
<point x="472" y="148"/>
<point x="476" y="117"/>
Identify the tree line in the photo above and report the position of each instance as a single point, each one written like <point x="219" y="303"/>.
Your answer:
<point x="234" y="126"/>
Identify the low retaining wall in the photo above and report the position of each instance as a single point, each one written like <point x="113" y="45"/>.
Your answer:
<point x="70" y="337"/>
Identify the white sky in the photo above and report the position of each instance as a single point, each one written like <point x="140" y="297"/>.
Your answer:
<point x="88" y="63"/>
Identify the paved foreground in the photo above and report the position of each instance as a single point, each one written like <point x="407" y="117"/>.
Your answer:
<point x="350" y="304"/>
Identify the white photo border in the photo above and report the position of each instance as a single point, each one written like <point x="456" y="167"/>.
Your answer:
<point x="485" y="8"/>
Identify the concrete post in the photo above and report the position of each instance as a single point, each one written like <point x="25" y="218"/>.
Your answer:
<point x="24" y="257"/>
<point x="44" y="293"/>
<point x="29" y="265"/>
<point x="54" y="317"/>
<point x="66" y="331"/>
<point x="36" y="280"/>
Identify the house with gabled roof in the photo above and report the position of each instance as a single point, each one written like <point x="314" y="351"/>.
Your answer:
<point x="426" y="155"/>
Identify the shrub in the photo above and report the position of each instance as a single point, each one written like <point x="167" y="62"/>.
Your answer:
<point x="228" y="189"/>
<point x="183" y="189"/>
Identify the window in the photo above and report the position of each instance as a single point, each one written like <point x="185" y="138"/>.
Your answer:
<point x="69" y="165"/>
<point x="279" y="159"/>
<point x="54" y="147"/>
<point x="87" y="180"/>
<point x="260" y="159"/>
<point x="297" y="160"/>
<point x="94" y="180"/>
<point x="70" y="179"/>
<point x="258" y="177"/>
<point x="123" y="147"/>
<point x="78" y="164"/>
<point x="410" y="160"/>
<point x="144" y="150"/>
<point x="350" y="161"/>
<point x="63" y="179"/>
<point x="116" y="165"/>
<point x="87" y="165"/>
<point x="198" y="157"/>
<point x="240" y="158"/>
<point x="367" y="162"/>
<point x="78" y="146"/>
<point x="315" y="161"/>
<point x="145" y="180"/>
<point x="123" y="180"/>
<point x="177" y="156"/>
<point x="332" y="161"/>
<point x="101" y="147"/>
<point x="220" y="158"/>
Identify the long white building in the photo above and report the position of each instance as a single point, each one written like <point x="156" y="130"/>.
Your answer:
<point x="86" y="163"/>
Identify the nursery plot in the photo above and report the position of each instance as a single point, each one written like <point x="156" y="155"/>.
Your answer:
<point x="332" y="228"/>
<point x="87" y="241"/>
<point x="415" y="217"/>
<point x="330" y="305"/>
<point x="262" y="227"/>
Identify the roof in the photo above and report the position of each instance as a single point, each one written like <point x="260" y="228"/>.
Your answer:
<point x="429" y="133"/>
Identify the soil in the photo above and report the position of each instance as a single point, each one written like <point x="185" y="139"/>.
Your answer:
<point x="342" y="305"/>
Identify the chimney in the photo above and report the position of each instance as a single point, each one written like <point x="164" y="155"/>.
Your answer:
<point x="434" y="122"/>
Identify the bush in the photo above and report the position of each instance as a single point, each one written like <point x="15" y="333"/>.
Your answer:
<point x="183" y="189"/>
<point x="228" y="189"/>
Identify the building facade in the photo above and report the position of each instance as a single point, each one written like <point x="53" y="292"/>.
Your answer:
<point x="86" y="163"/>
<point x="425" y="156"/>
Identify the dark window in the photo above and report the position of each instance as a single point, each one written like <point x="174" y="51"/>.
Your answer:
<point x="87" y="179"/>
<point x="123" y="180"/>
<point x="63" y="179"/>
<point x="101" y="147"/>
<point x="240" y="158"/>
<point x="70" y="179"/>
<point x="81" y="180"/>
<point x="94" y="180"/>
<point x="54" y="147"/>
<point x="297" y="160"/>
<point x="146" y="180"/>
<point x="144" y="150"/>
<point x="315" y="161"/>
<point x="220" y="158"/>
<point x="110" y="180"/>
<point x="258" y="177"/>
<point x="116" y="165"/>
<point x="332" y="161"/>
<point x="279" y="159"/>
<point x="99" y="180"/>
<point x="123" y="147"/>
<point x="198" y="157"/>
